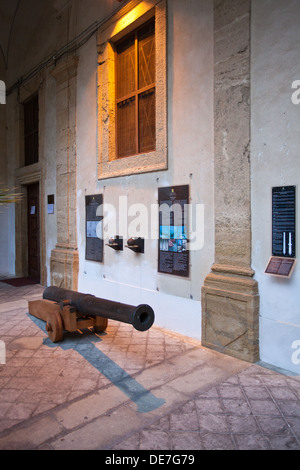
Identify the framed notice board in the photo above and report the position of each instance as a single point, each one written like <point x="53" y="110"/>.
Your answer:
<point x="94" y="229"/>
<point x="284" y="221"/>
<point x="283" y="261"/>
<point x="173" y="254"/>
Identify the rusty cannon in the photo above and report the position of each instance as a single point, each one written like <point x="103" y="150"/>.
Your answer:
<point x="64" y="309"/>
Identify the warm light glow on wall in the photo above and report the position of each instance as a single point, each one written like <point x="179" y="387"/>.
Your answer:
<point x="132" y="16"/>
<point x="129" y="18"/>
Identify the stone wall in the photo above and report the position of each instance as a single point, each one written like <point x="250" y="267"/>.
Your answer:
<point x="64" y="258"/>
<point x="230" y="302"/>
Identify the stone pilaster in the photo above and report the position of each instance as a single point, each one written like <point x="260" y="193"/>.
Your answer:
<point x="230" y="301"/>
<point x="64" y="263"/>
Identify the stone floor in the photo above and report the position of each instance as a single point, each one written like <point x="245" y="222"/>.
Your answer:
<point x="127" y="390"/>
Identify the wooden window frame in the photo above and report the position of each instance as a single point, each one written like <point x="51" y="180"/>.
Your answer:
<point x="137" y="90"/>
<point x="109" y="165"/>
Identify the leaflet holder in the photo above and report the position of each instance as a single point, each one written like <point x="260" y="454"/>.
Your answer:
<point x="136" y="244"/>
<point x="116" y="243"/>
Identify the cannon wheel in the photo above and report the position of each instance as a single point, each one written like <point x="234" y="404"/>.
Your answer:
<point x="54" y="327"/>
<point x="100" y="324"/>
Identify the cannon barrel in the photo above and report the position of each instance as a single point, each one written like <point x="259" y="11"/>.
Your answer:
<point x="140" y="317"/>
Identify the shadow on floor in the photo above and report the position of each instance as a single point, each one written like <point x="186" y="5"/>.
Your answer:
<point x="144" y="399"/>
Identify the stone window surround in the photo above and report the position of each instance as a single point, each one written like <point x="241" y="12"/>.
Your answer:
<point x="109" y="166"/>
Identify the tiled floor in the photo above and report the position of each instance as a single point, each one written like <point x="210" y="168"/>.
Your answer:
<point x="251" y="408"/>
<point x="256" y="409"/>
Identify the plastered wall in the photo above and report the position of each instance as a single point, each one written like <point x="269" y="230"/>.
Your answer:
<point x="275" y="162"/>
<point x="130" y="277"/>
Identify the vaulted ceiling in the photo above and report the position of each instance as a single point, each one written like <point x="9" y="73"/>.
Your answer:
<point x="8" y="11"/>
<point x="28" y="26"/>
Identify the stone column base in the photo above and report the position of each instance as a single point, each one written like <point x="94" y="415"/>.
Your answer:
<point x="64" y="266"/>
<point x="230" y="312"/>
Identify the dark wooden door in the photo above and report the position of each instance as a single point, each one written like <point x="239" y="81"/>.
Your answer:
<point x="33" y="231"/>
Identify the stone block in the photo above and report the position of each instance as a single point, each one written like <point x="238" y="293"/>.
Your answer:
<point x="64" y="265"/>
<point x="230" y="306"/>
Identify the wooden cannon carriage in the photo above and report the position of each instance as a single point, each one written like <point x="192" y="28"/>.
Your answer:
<point x="68" y="310"/>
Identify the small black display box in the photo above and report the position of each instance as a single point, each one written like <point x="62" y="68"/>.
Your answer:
<point x="284" y="221"/>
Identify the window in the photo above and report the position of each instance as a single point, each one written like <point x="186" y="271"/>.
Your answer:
<point x="132" y="91"/>
<point x="135" y="92"/>
<point x="31" y="131"/>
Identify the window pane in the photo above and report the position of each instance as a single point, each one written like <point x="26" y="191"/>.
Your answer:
<point x="126" y="67"/>
<point x="31" y="131"/>
<point x="126" y="133"/>
<point x="146" y="65"/>
<point x="147" y="141"/>
<point x="36" y="147"/>
<point x="28" y="119"/>
<point x="29" y="150"/>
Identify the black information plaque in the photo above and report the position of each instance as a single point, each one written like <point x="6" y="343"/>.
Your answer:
<point x="173" y="255"/>
<point x="50" y="206"/>
<point x="281" y="267"/>
<point x="94" y="244"/>
<point x="284" y="221"/>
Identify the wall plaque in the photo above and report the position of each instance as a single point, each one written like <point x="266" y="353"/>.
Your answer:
<point x="281" y="267"/>
<point x="94" y="228"/>
<point x="284" y="221"/>
<point x="173" y="255"/>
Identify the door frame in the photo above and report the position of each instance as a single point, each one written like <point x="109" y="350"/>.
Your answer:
<point x="25" y="177"/>
<point x="33" y="233"/>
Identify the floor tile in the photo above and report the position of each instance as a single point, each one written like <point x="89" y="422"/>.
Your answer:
<point x="256" y="408"/>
